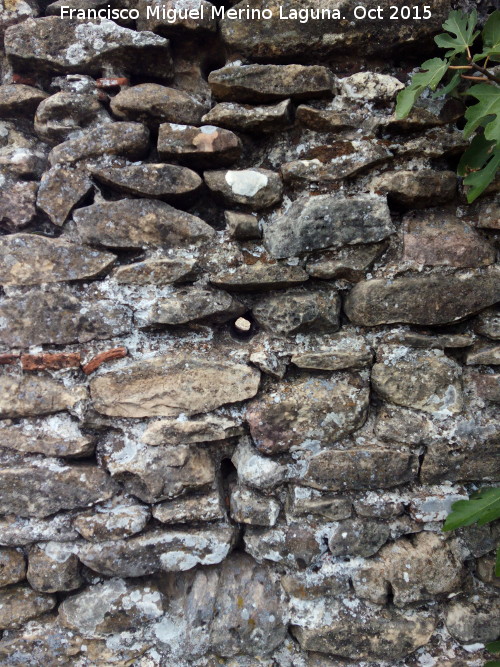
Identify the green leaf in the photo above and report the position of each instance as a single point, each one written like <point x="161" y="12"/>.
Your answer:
<point x="480" y="113"/>
<point x="479" y="181"/>
<point x="492" y="663"/>
<point x="481" y="508"/>
<point x="491" y="38"/>
<point x="462" y="26"/>
<point x="433" y="72"/>
<point x="476" y="156"/>
<point x="493" y="647"/>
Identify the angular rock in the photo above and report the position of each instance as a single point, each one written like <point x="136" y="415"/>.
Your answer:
<point x="162" y="181"/>
<point x="242" y="226"/>
<point x="487" y="323"/>
<point x="48" y="45"/>
<point x="350" y="262"/>
<point x="422" y="381"/>
<point x="53" y="567"/>
<point x="112" y="606"/>
<point x="161" y="550"/>
<point x="327" y="221"/>
<point x="474" y="461"/>
<point x="297" y="544"/>
<point x="482" y="353"/>
<point x="301" y="412"/>
<point x="201" y="147"/>
<point x="191" y="304"/>
<point x="269" y="83"/>
<point x="302" y="501"/>
<point x="12" y="567"/>
<point x="293" y="312"/>
<point x="129" y="140"/>
<point x="20" y="603"/>
<point x="486" y="386"/>
<point x="485" y="213"/>
<point x="417" y="189"/>
<point x="19" y="531"/>
<point x="55" y="436"/>
<point x="173" y="384"/>
<point x="434" y="505"/>
<point x="246" y="118"/>
<point x="401" y="425"/>
<point x="17" y="202"/>
<point x="58" y="316"/>
<point x="250" y="507"/>
<point x="255" y="188"/>
<point x="429" y="342"/>
<point x="64" y="116"/>
<point x="156" y="271"/>
<point x="326" y="164"/>
<point x="30" y="259"/>
<point x="136" y="223"/>
<point x="61" y="189"/>
<point x="369" y="86"/>
<point x="47" y="486"/>
<point x="328" y="120"/>
<point x="428" y="299"/>
<point x="207" y="428"/>
<point x="112" y="520"/>
<point x="268" y="361"/>
<point x="188" y="509"/>
<point x="182" y="19"/>
<point x="259" y="276"/>
<point x="19" y="100"/>
<point x="485" y="571"/>
<point x="360" y="469"/>
<point x="358" y="537"/>
<point x="379" y="505"/>
<point x="255" y="470"/>
<point x="440" y="239"/>
<point x="153" y="104"/>
<point x="32" y="396"/>
<point x="348" y="352"/>
<point x="474" y="620"/>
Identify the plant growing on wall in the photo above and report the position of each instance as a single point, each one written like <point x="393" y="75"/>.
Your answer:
<point x="469" y="59"/>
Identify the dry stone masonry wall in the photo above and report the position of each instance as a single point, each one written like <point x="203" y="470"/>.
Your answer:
<point x="249" y="346"/>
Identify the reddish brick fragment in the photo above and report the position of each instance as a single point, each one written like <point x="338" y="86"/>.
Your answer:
<point x="8" y="358"/>
<point x="95" y="362"/>
<point x="25" y="80"/>
<point x="112" y="82"/>
<point x="50" y="361"/>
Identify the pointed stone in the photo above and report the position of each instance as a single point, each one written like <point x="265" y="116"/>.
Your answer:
<point x="256" y="188"/>
<point x="61" y="189"/>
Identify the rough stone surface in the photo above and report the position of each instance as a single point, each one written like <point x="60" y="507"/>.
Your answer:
<point x="201" y="147"/>
<point x="64" y="115"/>
<point x="12" y="567"/>
<point x="350" y="262"/>
<point x="417" y="189"/>
<point x="56" y="436"/>
<point x="32" y="396"/>
<point x="20" y="603"/>
<point x="61" y="189"/>
<point x="156" y="271"/>
<point x="247" y="118"/>
<point x="255" y="188"/>
<point x="260" y="276"/>
<point x="207" y="428"/>
<point x="293" y="312"/>
<point x="53" y="567"/>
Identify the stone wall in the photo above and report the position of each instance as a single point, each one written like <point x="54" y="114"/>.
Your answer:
<point x="248" y="347"/>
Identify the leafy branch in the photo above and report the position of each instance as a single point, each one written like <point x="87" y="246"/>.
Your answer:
<point x="481" y="161"/>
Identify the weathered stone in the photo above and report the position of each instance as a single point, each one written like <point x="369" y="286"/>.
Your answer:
<point x="269" y="362"/>
<point x="153" y="104"/>
<point x="342" y="352"/>
<point x="417" y="189"/>
<point x="325" y="164"/>
<point x="328" y="120"/>
<point x="401" y="425"/>
<point x="70" y="47"/>
<point x="255" y="470"/>
<point x="64" y="115"/>
<point x="327" y="579"/>
<point x="485" y="213"/>
<point x="12" y="567"/>
<point x="167" y="550"/>
<point x="473" y="461"/>
<point x="183" y="19"/>
<point x="440" y="239"/>
<point x="202" y="147"/>
<point x="369" y="86"/>
<point x="268" y="83"/>
<point x="32" y="396"/>
<point x="486" y="567"/>
<point x="53" y="567"/>
<point x="19" y="100"/>
<point x="350" y="262"/>
<point x="29" y="259"/>
<point x="248" y="506"/>
<point x="380" y="505"/>
<point x="17" y="202"/>
<point x="242" y="226"/>
<point x="486" y="386"/>
<point x="20" y="603"/>
<point x="130" y="140"/>
<point x="297" y="544"/>
<point x="277" y="39"/>
<point x="426" y="341"/>
<point x="50" y="361"/>
<point x="136" y="223"/>
<point x="295" y="312"/>
<point x="112" y="606"/>
<point x="435" y="143"/>
<point x="474" y="620"/>
<point x="255" y="188"/>
<point x="422" y="380"/>
<point x="191" y="304"/>
<point x="45" y="487"/>
<point x="434" y="503"/>
<point x="58" y="316"/>
<point x="158" y="473"/>
<point x="302" y="501"/>
<point x="483" y="353"/>
<point x="422" y="569"/>
<point x="207" y="428"/>
<point x="259" y="276"/>
<point x="313" y="410"/>
<point x="360" y="469"/>
<point x="156" y="271"/>
<point x="55" y="436"/>
<point x="487" y="323"/>
<point x="170" y="385"/>
<point x="61" y="189"/>
<point x="246" y="118"/>
<point x="428" y="299"/>
<point x="207" y="507"/>
<point x="163" y="181"/>
<point x="112" y="520"/>
<point x="19" y="531"/>
<point x="327" y="221"/>
<point x="358" y="537"/>
<point x="369" y="634"/>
